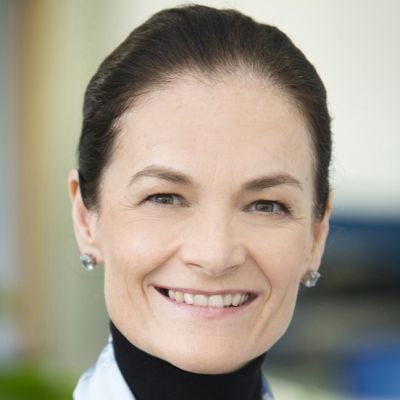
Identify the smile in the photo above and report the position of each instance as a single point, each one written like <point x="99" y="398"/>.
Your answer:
<point x="221" y="300"/>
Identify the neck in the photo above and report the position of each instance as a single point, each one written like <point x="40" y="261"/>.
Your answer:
<point x="150" y="378"/>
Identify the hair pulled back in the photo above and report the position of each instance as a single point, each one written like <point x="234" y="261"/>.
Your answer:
<point x="205" y="40"/>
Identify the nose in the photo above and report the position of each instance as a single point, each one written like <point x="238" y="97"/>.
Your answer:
<point x="212" y="246"/>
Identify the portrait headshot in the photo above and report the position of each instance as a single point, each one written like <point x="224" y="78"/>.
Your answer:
<point x="204" y="221"/>
<point x="202" y="188"/>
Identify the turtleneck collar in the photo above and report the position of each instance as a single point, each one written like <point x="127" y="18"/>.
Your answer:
<point x="151" y="378"/>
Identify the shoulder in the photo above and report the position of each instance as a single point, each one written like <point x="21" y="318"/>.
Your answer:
<point x="103" y="380"/>
<point x="266" y="390"/>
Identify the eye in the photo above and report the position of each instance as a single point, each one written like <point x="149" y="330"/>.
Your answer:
<point x="165" y="199"/>
<point x="269" y="207"/>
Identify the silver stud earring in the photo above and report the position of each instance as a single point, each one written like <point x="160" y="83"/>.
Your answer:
<point x="311" y="279"/>
<point x="88" y="261"/>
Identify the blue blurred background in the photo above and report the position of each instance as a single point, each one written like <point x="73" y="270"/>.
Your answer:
<point x="344" y="341"/>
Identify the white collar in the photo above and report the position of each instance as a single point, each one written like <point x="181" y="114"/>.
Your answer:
<point x="104" y="381"/>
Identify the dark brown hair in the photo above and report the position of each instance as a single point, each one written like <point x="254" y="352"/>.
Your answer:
<point x="207" y="41"/>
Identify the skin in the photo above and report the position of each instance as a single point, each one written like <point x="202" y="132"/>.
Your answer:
<point x="211" y="237"/>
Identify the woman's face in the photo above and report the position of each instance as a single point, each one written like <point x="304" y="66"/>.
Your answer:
<point x="208" y="199"/>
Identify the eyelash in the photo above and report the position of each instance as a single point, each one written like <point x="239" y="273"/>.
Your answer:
<point x="285" y="209"/>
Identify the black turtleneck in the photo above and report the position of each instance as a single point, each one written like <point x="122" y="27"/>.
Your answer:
<point x="150" y="378"/>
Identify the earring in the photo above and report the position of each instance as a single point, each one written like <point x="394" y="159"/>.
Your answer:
<point x="88" y="261"/>
<point x="311" y="279"/>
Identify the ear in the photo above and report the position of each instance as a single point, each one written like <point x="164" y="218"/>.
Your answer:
<point x="320" y="233"/>
<point x="84" y="220"/>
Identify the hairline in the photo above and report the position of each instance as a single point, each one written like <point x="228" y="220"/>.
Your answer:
<point x="207" y="76"/>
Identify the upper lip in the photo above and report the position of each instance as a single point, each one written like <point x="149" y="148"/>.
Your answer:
<point x="206" y="292"/>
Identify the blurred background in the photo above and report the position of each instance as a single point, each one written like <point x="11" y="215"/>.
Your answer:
<point x="344" y="342"/>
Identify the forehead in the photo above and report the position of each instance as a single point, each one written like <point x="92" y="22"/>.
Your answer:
<point x="235" y="126"/>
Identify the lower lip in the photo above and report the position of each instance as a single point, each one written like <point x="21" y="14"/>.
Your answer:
<point x="208" y="312"/>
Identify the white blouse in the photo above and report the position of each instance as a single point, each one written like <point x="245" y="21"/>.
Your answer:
<point x="104" y="381"/>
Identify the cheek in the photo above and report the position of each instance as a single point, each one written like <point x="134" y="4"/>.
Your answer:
<point x="132" y="249"/>
<point x="282" y="255"/>
<point x="283" y="262"/>
<point x="133" y="243"/>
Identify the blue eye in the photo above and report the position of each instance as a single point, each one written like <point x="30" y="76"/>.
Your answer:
<point x="165" y="199"/>
<point x="269" y="207"/>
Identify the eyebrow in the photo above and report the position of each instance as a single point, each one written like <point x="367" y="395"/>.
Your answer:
<point x="177" y="177"/>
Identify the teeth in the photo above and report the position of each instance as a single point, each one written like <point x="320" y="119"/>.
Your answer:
<point x="179" y="297"/>
<point x="189" y="298"/>
<point x="244" y="298"/>
<point x="227" y="300"/>
<point x="200" y="300"/>
<point x="215" y="300"/>
<point x="236" y="299"/>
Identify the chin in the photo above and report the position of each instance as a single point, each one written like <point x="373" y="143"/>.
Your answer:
<point x="209" y="366"/>
<point x="206" y="361"/>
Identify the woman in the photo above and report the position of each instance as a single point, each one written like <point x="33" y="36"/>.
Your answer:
<point x="203" y="189"/>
